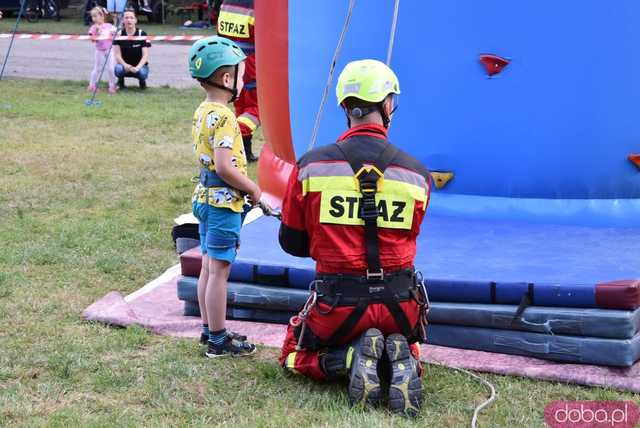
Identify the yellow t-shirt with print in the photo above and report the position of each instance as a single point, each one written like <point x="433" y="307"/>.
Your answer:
<point x="215" y="126"/>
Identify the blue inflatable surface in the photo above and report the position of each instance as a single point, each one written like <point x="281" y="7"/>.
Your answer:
<point x="546" y="139"/>
<point x="571" y="349"/>
<point x="461" y="258"/>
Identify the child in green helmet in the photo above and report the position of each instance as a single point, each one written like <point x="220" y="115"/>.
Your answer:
<point x="218" y="200"/>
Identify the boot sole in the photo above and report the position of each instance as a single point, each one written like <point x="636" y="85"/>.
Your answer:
<point x="364" y="384"/>
<point x="405" y="389"/>
<point x="230" y="355"/>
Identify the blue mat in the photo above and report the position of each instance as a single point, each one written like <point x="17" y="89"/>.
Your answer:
<point x="191" y="309"/>
<point x="603" y="323"/>
<point x="572" y="349"/>
<point x="461" y="258"/>
<point x="614" y="324"/>
<point x="243" y="295"/>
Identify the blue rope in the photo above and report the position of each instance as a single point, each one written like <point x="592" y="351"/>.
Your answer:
<point x="93" y="101"/>
<point x="13" y="35"/>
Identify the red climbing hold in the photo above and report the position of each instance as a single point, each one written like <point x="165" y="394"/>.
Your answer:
<point x="494" y="64"/>
<point x="635" y="159"/>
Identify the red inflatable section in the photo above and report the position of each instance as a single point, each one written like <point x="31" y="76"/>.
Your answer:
<point x="272" y="63"/>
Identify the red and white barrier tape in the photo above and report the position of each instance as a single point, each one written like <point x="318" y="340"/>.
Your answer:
<point x="87" y="37"/>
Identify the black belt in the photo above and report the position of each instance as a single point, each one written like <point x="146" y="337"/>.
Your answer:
<point x="346" y="290"/>
<point x="359" y="291"/>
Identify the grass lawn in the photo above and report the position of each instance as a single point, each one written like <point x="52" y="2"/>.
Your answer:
<point x="87" y="198"/>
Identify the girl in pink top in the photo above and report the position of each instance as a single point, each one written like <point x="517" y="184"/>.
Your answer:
<point x="104" y="31"/>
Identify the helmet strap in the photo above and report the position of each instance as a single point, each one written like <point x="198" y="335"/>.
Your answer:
<point x="359" y="112"/>
<point x="385" y="119"/>
<point x="234" y="90"/>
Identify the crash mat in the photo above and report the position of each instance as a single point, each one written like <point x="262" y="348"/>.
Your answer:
<point x="157" y="308"/>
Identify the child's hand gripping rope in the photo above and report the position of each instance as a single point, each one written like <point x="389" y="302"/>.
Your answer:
<point x="268" y="211"/>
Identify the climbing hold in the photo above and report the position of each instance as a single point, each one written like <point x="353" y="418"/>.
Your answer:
<point x="635" y="159"/>
<point x="494" y="64"/>
<point x="441" y="178"/>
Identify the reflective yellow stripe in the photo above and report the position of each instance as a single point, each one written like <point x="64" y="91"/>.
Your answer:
<point x="391" y="187"/>
<point x="248" y="122"/>
<point x="290" y="364"/>
<point x="234" y="24"/>
<point x="349" y="358"/>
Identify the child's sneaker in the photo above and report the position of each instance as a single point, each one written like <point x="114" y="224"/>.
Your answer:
<point x="231" y="347"/>
<point x="91" y="88"/>
<point x="204" y="338"/>
<point x="113" y="89"/>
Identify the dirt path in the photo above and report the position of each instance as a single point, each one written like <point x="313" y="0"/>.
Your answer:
<point x="73" y="60"/>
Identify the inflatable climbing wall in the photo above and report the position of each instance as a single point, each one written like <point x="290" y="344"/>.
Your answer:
<point x="531" y="107"/>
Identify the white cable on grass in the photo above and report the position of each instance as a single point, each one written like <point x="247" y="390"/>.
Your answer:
<point x="491" y="399"/>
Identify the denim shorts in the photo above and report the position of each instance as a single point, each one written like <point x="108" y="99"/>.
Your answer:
<point x="116" y="5"/>
<point x="219" y="231"/>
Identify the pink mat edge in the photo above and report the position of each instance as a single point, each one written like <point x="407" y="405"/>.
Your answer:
<point x="113" y="309"/>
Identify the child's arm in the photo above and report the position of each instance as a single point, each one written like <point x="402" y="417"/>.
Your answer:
<point x="232" y="176"/>
<point x="92" y="33"/>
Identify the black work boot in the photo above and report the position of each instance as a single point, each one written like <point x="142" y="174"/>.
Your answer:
<point x="364" y="382"/>
<point x="405" y="388"/>
<point x="334" y="363"/>
<point x="246" y="140"/>
<point x="121" y="83"/>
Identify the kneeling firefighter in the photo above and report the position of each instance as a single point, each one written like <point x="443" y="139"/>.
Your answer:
<point x="356" y="207"/>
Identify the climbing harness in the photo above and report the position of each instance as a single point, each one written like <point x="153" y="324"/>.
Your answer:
<point x="358" y="291"/>
<point x="300" y="319"/>
<point x="420" y="295"/>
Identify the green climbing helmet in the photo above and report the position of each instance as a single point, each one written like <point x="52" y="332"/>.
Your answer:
<point x="209" y="54"/>
<point x="368" y="80"/>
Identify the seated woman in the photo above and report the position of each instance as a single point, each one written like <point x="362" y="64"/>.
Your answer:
<point x="131" y="55"/>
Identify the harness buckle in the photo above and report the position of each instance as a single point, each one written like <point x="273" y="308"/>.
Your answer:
<point x="369" y="179"/>
<point x="379" y="276"/>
